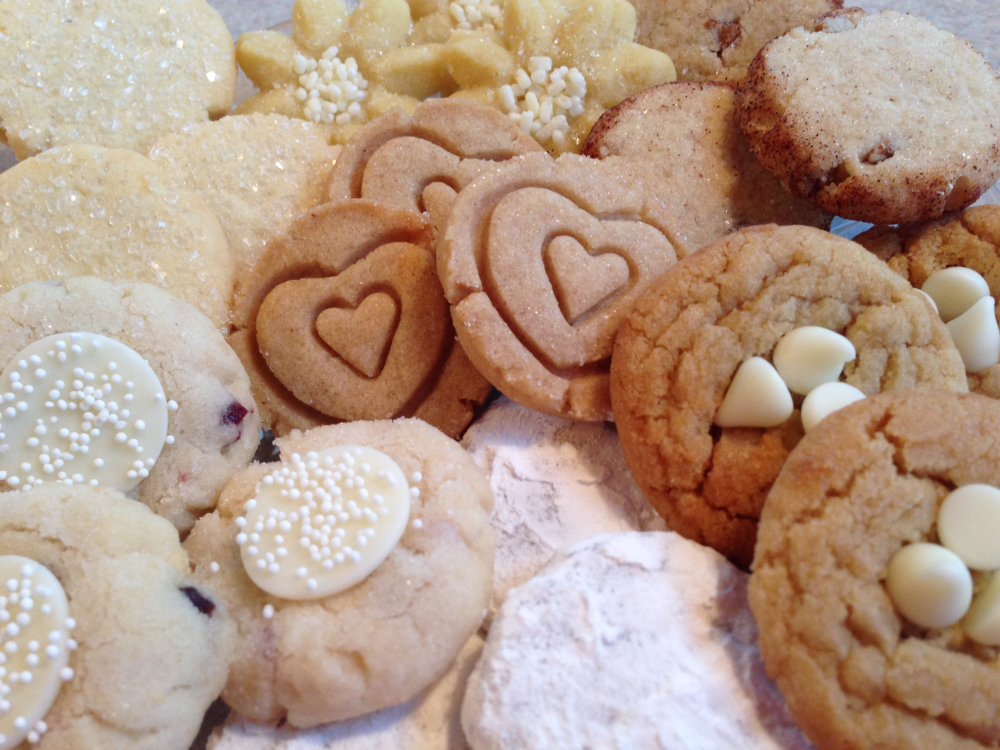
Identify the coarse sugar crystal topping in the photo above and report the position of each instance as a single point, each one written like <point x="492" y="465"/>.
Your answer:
<point x="541" y="100"/>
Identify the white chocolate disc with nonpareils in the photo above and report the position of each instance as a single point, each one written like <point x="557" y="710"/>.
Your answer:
<point x="322" y="523"/>
<point x="810" y="356"/>
<point x="929" y="585"/>
<point x="757" y="397"/>
<point x="34" y="648"/>
<point x="969" y="525"/>
<point x="955" y="290"/>
<point x="80" y="408"/>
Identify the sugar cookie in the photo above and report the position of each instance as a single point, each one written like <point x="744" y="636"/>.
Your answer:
<point x="387" y="638"/>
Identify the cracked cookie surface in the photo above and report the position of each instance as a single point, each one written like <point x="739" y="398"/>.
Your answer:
<point x="125" y="574"/>
<point x="881" y="118"/>
<point x="677" y="352"/>
<point x="863" y="484"/>
<point x="390" y="636"/>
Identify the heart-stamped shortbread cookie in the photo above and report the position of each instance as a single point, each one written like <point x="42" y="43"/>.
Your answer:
<point x="541" y="260"/>
<point x="344" y="319"/>
<point x="419" y="162"/>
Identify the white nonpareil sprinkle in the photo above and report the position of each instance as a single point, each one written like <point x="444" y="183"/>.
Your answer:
<point x="542" y="100"/>
<point x="476" y="14"/>
<point x="34" y="648"/>
<point x="330" y="89"/>
<point x="268" y="611"/>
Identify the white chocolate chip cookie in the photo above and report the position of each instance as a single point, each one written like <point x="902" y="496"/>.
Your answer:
<point x="213" y="428"/>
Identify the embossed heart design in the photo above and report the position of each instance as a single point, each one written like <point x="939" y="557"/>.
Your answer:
<point x="361" y="337"/>
<point x="581" y="281"/>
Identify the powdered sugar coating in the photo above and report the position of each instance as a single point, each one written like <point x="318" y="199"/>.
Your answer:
<point x="635" y="639"/>
<point x="115" y="73"/>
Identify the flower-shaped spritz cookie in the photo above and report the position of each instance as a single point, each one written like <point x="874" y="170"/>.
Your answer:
<point x="552" y="67"/>
<point x="341" y="69"/>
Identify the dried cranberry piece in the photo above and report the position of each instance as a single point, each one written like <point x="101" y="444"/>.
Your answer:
<point x="234" y="413"/>
<point x="202" y="603"/>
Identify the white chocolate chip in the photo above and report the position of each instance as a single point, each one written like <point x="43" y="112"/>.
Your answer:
<point x="955" y="290"/>
<point x="977" y="336"/>
<point x="929" y="298"/>
<point x="824" y="400"/>
<point x="810" y="356"/>
<point x="929" y="585"/>
<point x="982" y="623"/>
<point x="34" y="648"/>
<point x="757" y="397"/>
<point x="321" y="524"/>
<point x="969" y="525"/>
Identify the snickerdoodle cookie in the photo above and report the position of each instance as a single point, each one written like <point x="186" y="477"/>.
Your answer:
<point x="855" y="497"/>
<point x="882" y="118"/>
<point x="683" y="350"/>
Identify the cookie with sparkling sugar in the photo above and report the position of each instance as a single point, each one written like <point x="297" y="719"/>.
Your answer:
<point x="683" y="140"/>
<point x="627" y="640"/>
<point x="124" y="573"/>
<point x="382" y="641"/>
<point x="419" y="162"/>
<point x="257" y="173"/>
<point x="211" y="428"/>
<point x="113" y="214"/>
<point x="344" y="319"/>
<point x="114" y="73"/>
<point x="868" y="482"/>
<point x="970" y="240"/>
<point x="541" y="260"/>
<point x="913" y="130"/>
<point x="677" y="353"/>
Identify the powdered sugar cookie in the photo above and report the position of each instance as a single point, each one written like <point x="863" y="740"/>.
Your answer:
<point x="555" y="483"/>
<point x="311" y="658"/>
<point x="257" y="173"/>
<point x="627" y="640"/>
<point x="148" y="648"/>
<point x="114" y="73"/>
<point x="209" y="427"/>
<point x="113" y="214"/>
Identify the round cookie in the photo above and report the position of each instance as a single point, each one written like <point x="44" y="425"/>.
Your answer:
<point x="312" y="662"/>
<point x="684" y="141"/>
<point x="541" y="260"/>
<point x="215" y="428"/>
<point x="881" y="118"/>
<point x="343" y="319"/>
<point x="114" y="73"/>
<point x="715" y="41"/>
<point x="677" y="354"/>
<point x="257" y="173"/>
<point x="864" y="484"/>
<point x="153" y="647"/>
<point x="111" y="213"/>
<point x="627" y="640"/>
<point x="970" y="239"/>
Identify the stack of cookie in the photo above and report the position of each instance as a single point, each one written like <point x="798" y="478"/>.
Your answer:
<point x="426" y="202"/>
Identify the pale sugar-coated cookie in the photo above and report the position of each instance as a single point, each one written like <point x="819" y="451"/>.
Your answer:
<point x="115" y="73"/>
<point x="113" y="214"/>
<point x="213" y="426"/>
<point x="307" y="659"/>
<point x="152" y="648"/>
<point x="867" y="483"/>
<point x="881" y="118"/>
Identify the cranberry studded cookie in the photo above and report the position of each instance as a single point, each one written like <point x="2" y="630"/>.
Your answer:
<point x="356" y="569"/>
<point x="874" y="584"/>
<point x="629" y="640"/>
<point x="114" y="73"/>
<point x="344" y="318"/>
<point x="113" y="214"/>
<point x="418" y="163"/>
<point x="123" y="386"/>
<point x="541" y="261"/>
<point x="956" y="260"/>
<point x="257" y="173"/>
<point x="108" y="644"/>
<point x="881" y="118"/>
<point x="683" y="140"/>
<point x="710" y="40"/>
<point x="706" y="365"/>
